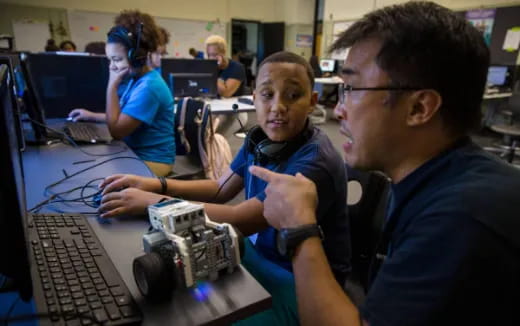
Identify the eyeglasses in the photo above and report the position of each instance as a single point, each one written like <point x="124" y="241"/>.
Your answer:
<point x="345" y="89"/>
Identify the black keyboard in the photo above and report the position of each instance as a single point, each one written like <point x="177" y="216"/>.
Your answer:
<point x="74" y="279"/>
<point x="87" y="133"/>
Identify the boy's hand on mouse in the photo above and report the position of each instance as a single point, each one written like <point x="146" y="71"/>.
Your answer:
<point x="81" y="115"/>
<point x="130" y="201"/>
<point x="121" y="181"/>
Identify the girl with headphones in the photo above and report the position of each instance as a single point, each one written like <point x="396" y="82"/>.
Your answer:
<point x="142" y="113"/>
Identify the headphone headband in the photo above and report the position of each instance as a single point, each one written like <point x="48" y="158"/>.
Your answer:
<point x="119" y="34"/>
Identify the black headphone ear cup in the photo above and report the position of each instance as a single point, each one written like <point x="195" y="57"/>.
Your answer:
<point x="131" y="56"/>
<point x="253" y="138"/>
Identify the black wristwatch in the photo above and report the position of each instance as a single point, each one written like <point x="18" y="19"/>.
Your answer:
<point x="289" y="239"/>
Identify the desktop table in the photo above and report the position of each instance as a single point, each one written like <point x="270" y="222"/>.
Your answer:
<point x="225" y="105"/>
<point x="232" y="297"/>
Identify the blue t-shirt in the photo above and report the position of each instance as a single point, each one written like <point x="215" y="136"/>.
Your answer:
<point x="453" y="255"/>
<point x="234" y="70"/>
<point x="319" y="161"/>
<point x="149" y="100"/>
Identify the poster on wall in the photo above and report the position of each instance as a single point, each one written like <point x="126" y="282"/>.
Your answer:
<point x="483" y="20"/>
<point x="303" y="40"/>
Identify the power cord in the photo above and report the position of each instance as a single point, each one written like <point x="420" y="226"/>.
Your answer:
<point x="73" y="143"/>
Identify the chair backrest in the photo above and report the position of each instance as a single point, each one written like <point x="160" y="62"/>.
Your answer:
<point x="188" y="116"/>
<point x="367" y="199"/>
<point x="514" y="101"/>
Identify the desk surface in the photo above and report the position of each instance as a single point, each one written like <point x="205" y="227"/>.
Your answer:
<point x="328" y="80"/>
<point x="233" y="297"/>
<point x="496" y="95"/>
<point x="225" y="105"/>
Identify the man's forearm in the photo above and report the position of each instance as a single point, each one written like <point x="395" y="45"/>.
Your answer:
<point x="321" y="301"/>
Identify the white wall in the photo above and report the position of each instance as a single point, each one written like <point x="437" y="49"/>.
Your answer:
<point x="346" y="10"/>
<point x="352" y="9"/>
<point x="208" y="10"/>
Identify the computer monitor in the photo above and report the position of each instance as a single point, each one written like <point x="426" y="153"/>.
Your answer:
<point x="327" y="65"/>
<point x="497" y="75"/>
<point x="13" y="224"/>
<point x="31" y="106"/>
<point x="16" y="87"/>
<point x="189" y="77"/>
<point x="65" y="82"/>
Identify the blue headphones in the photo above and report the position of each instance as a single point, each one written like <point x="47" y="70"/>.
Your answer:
<point x="119" y="34"/>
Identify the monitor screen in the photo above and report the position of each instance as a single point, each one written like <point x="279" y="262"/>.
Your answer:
<point x="327" y="65"/>
<point x="16" y="88"/>
<point x="497" y="75"/>
<point x="191" y="77"/>
<point x="65" y="82"/>
<point x="194" y="84"/>
<point x="13" y="236"/>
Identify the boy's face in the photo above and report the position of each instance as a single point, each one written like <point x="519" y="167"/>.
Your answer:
<point x="283" y="99"/>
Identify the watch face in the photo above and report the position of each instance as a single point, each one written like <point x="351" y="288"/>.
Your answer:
<point x="281" y="242"/>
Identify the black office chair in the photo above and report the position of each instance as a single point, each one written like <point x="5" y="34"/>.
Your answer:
<point x="508" y="125"/>
<point x="367" y="199"/>
<point x="188" y="164"/>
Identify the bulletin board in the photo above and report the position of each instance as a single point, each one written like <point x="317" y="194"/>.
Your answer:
<point x="88" y="26"/>
<point x="31" y="35"/>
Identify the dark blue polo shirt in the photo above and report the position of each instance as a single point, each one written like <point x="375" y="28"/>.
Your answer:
<point x="234" y="70"/>
<point x="454" y="251"/>
<point x="319" y="161"/>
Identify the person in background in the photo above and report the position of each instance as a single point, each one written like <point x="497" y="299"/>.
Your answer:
<point x="142" y="114"/>
<point x="67" y="46"/>
<point x="232" y="75"/>
<point x="315" y="64"/>
<point x="51" y="46"/>
<point x="154" y="58"/>
<point x="196" y="54"/>
<point x="95" y="48"/>
<point x="450" y="250"/>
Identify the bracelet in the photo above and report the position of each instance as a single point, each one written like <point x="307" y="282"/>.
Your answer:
<point x="164" y="185"/>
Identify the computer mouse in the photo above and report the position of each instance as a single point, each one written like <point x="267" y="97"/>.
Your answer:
<point x="97" y="199"/>
<point x="70" y="119"/>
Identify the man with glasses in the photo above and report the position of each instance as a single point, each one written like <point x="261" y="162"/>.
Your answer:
<point x="449" y="254"/>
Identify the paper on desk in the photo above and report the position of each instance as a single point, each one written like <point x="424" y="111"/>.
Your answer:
<point x="512" y="39"/>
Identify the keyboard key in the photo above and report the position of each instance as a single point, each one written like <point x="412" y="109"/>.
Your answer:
<point x="100" y="315"/>
<point x="112" y="311"/>
<point x="127" y="311"/>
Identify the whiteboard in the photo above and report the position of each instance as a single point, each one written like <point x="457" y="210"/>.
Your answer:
<point x="31" y="35"/>
<point x="186" y="34"/>
<point x="338" y="28"/>
<point x="89" y="26"/>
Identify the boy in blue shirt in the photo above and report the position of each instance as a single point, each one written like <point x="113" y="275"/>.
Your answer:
<point x="285" y="142"/>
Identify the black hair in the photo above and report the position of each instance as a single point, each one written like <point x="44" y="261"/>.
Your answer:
<point x="95" y="47"/>
<point x="64" y="43"/>
<point x="428" y="46"/>
<point x="289" y="57"/>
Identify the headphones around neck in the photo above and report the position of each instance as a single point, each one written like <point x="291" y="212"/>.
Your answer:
<point x="136" y="55"/>
<point x="267" y="151"/>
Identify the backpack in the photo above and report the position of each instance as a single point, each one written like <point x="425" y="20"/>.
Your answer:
<point x="196" y="137"/>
